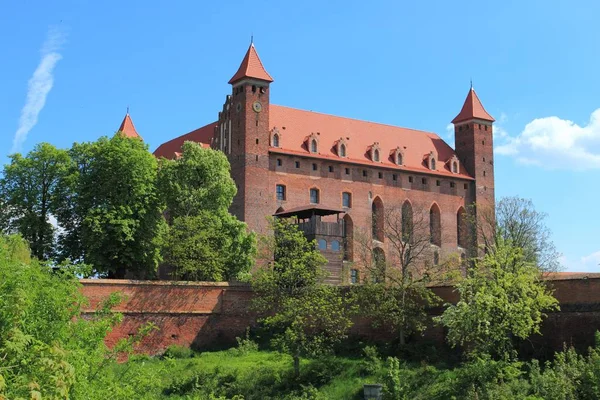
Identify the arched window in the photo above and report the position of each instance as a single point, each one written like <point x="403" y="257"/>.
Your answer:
<point x="407" y="222"/>
<point x="378" y="273"/>
<point x="335" y="245"/>
<point x="342" y="150"/>
<point x="313" y="146"/>
<point x="432" y="164"/>
<point x="399" y="158"/>
<point x="461" y="228"/>
<point x="436" y="257"/>
<point x="377" y="219"/>
<point x="435" y="226"/>
<point x="275" y="140"/>
<point x="322" y="244"/>
<point x="376" y="155"/>
<point x="280" y="191"/>
<point x="348" y="227"/>
<point x="455" y="167"/>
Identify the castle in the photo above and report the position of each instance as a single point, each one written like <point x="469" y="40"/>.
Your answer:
<point x="337" y="176"/>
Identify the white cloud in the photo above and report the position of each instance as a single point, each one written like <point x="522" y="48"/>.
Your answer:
<point x="589" y="263"/>
<point x="556" y="143"/>
<point x="39" y="86"/>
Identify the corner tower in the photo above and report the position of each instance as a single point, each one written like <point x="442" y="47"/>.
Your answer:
<point x="474" y="145"/>
<point x="243" y="135"/>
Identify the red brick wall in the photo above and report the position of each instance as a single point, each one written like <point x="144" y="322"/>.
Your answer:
<point x="203" y="313"/>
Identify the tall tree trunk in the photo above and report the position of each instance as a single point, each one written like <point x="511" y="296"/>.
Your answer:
<point x="296" y="365"/>
<point x="402" y="338"/>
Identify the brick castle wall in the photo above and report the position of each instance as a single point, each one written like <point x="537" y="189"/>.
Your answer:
<point x="203" y="314"/>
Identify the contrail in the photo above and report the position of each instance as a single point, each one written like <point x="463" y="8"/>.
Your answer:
<point x="39" y="86"/>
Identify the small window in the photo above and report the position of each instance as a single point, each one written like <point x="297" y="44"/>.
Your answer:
<point x="354" y="276"/>
<point x="314" y="196"/>
<point x="437" y="182"/>
<point x="455" y="167"/>
<point x="483" y="142"/>
<point x="483" y="173"/>
<point x="346" y="199"/>
<point x="279" y="162"/>
<point x="376" y="155"/>
<point x="436" y="258"/>
<point x="280" y="189"/>
<point x="479" y="126"/>
<point x="410" y="179"/>
<point x="452" y="184"/>
<point x="276" y="140"/>
<point x="394" y="177"/>
<point x="380" y="175"/>
<point x="342" y="150"/>
<point x="364" y="172"/>
<point x="297" y="164"/>
<point x="347" y="171"/>
<point x="256" y="141"/>
<point x="322" y="244"/>
<point x="253" y="88"/>
<point x="335" y="245"/>
<point x="424" y="181"/>
<point x="314" y="167"/>
<point x="483" y="159"/>
<point x="330" y="168"/>
<point x="399" y="158"/>
<point x="466" y="186"/>
<point x="313" y="146"/>
<point x="432" y="164"/>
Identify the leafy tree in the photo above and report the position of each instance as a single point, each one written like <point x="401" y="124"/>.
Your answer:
<point x="502" y="299"/>
<point x="395" y="293"/>
<point x="210" y="246"/>
<point x="516" y="220"/>
<point x="113" y="219"/>
<point x="30" y="191"/>
<point x="306" y="317"/>
<point x="199" y="180"/>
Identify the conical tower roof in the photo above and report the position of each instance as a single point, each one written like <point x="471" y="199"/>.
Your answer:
<point x="472" y="109"/>
<point x="127" y="128"/>
<point x="251" y="67"/>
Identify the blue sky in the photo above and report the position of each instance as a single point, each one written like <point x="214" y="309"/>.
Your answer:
<point x="534" y="65"/>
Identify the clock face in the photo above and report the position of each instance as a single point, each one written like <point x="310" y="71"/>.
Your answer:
<point x="257" y="107"/>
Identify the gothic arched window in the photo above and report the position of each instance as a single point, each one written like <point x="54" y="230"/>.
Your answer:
<point x="313" y="146"/>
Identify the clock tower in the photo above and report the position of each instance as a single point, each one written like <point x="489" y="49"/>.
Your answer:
<point x="243" y="135"/>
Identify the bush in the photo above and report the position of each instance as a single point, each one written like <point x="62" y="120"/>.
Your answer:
<point x="177" y="351"/>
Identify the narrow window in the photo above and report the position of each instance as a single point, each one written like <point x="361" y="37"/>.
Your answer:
<point x="461" y="228"/>
<point x="256" y="141"/>
<point x="314" y="196"/>
<point x="364" y="172"/>
<point x="275" y="140"/>
<point x="313" y="146"/>
<point x="253" y="88"/>
<point x="483" y="159"/>
<point x="342" y="150"/>
<point x="376" y="155"/>
<point x="455" y="167"/>
<point x="407" y="222"/>
<point x="330" y="168"/>
<point x="394" y="177"/>
<point x="347" y="171"/>
<point x="314" y="167"/>
<point x="466" y="186"/>
<point x="279" y="162"/>
<point x="280" y="189"/>
<point x="346" y="199"/>
<point x="432" y="164"/>
<point x="377" y="214"/>
<point x="354" y="276"/>
<point x="297" y="164"/>
<point x="424" y="181"/>
<point x="436" y="257"/>
<point x="380" y="175"/>
<point x="437" y="182"/>
<point x="435" y="232"/>
<point x="399" y="158"/>
<point x="483" y="173"/>
<point x="322" y="244"/>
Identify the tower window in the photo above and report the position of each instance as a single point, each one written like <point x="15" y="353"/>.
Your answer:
<point x="256" y="141"/>
<point x="297" y="164"/>
<point x="263" y="90"/>
<point x="253" y="88"/>
<point x="483" y="142"/>
<point x="279" y="162"/>
<point x="280" y="190"/>
<point x="330" y="168"/>
<point x="314" y="196"/>
<point x="483" y="159"/>
<point x="483" y="173"/>
<point x="486" y="127"/>
<point x="313" y="146"/>
<point x="314" y="167"/>
<point x="346" y="199"/>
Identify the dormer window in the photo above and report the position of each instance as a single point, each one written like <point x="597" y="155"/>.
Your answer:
<point x="398" y="156"/>
<point x="313" y="146"/>
<point x="276" y="140"/>
<point x="432" y="164"/>
<point x="376" y="155"/>
<point x="342" y="150"/>
<point x="341" y="147"/>
<point x="375" y="152"/>
<point x="454" y="165"/>
<point x="431" y="160"/>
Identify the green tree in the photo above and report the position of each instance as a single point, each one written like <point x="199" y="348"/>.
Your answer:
<point x="306" y="317"/>
<point x="210" y="246"/>
<point x="30" y="190"/>
<point x="199" y="180"/>
<point x="114" y="219"/>
<point x="501" y="300"/>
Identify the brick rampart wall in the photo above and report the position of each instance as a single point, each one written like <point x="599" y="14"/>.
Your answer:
<point x="203" y="313"/>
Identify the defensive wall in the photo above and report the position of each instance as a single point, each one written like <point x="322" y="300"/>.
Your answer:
<point x="202" y="314"/>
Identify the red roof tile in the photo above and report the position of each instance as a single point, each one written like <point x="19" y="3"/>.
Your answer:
<point x="127" y="128"/>
<point x="172" y="148"/>
<point x="296" y="125"/>
<point x="251" y="67"/>
<point x="472" y="109"/>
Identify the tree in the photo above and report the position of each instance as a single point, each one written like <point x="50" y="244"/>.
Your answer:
<point x="503" y="298"/>
<point x="516" y="220"/>
<point x="114" y="221"/>
<point x="209" y="246"/>
<point x="30" y="190"/>
<point x="395" y="293"/>
<point x="199" y="180"/>
<point x="306" y="317"/>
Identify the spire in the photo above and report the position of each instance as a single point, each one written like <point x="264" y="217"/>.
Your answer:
<point x="472" y="109"/>
<point x="251" y="67"/>
<point x="127" y="127"/>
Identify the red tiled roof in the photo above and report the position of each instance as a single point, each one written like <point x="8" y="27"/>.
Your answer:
<point x="296" y="125"/>
<point x="563" y="276"/>
<point x="127" y="128"/>
<point x="251" y="67"/>
<point x="202" y="135"/>
<point x="472" y="109"/>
